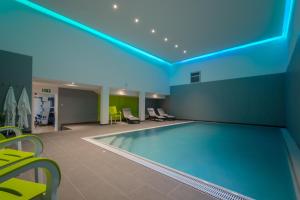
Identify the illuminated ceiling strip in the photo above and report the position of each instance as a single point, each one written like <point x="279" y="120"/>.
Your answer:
<point x="289" y="8"/>
<point x="286" y="25"/>
<point x="228" y="50"/>
<point x="92" y="31"/>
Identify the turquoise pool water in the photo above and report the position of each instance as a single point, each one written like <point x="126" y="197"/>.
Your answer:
<point x="247" y="159"/>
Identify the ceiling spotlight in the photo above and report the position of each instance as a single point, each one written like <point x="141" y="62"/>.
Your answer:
<point x="71" y="84"/>
<point x="176" y="46"/>
<point x="115" y="6"/>
<point x="136" y="20"/>
<point x="184" y="51"/>
<point x="122" y="92"/>
<point x="166" y="39"/>
<point x="153" y="30"/>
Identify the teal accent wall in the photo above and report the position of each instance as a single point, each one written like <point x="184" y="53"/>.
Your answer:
<point x="254" y="100"/>
<point x="16" y="71"/>
<point x="293" y="95"/>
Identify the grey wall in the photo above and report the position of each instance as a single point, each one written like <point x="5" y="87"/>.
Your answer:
<point x="76" y="106"/>
<point x="16" y="71"/>
<point x="253" y="100"/>
<point x="154" y="103"/>
<point x="293" y="95"/>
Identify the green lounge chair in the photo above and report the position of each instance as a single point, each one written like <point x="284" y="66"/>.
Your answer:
<point x="10" y="156"/>
<point x="12" y="188"/>
<point x="114" y="114"/>
<point x="14" y="129"/>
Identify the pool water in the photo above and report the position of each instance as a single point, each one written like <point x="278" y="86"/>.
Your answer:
<point x="249" y="160"/>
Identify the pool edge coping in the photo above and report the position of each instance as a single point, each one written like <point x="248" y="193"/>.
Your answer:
<point x="206" y="187"/>
<point x="139" y="129"/>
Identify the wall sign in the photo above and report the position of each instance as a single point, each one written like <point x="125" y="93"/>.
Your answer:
<point x="45" y="90"/>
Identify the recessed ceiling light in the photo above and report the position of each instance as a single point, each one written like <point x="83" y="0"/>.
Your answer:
<point x="136" y="20"/>
<point x="166" y="39"/>
<point x="153" y="30"/>
<point x="71" y="85"/>
<point x="184" y="51"/>
<point x="115" y="6"/>
<point x="176" y="46"/>
<point x="122" y="92"/>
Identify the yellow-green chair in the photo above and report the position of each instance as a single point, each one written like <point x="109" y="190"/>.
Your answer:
<point x="9" y="156"/>
<point x="12" y="188"/>
<point x="114" y="114"/>
<point x="14" y="129"/>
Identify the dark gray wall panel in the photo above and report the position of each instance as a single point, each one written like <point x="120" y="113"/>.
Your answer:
<point x="293" y="95"/>
<point x="252" y="100"/>
<point x="77" y="106"/>
<point x="16" y="71"/>
<point x="154" y="103"/>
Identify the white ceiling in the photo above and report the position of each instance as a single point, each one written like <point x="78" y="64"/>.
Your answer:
<point x="198" y="26"/>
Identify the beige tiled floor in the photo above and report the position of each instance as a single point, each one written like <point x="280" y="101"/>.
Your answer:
<point x="43" y="129"/>
<point x="91" y="173"/>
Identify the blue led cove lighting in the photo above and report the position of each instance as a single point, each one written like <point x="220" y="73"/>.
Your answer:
<point x="288" y="13"/>
<point x="194" y="59"/>
<point x="285" y="29"/>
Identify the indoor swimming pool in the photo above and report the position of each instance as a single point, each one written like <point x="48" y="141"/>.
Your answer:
<point x="249" y="160"/>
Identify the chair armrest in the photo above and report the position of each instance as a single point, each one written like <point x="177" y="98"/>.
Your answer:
<point x="50" y="168"/>
<point x="11" y="128"/>
<point x="38" y="145"/>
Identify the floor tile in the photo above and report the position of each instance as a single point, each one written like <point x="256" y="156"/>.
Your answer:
<point x="92" y="173"/>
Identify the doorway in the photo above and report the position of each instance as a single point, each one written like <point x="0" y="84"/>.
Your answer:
<point x="44" y="107"/>
<point x="44" y="113"/>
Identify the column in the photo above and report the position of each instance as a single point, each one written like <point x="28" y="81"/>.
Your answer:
<point x="104" y="105"/>
<point x="142" y="103"/>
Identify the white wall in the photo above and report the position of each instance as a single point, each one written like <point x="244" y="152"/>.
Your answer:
<point x="269" y="58"/>
<point x="37" y="89"/>
<point x="265" y="59"/>
<point x="123" y="92"/>
<point x="62" y="52"/>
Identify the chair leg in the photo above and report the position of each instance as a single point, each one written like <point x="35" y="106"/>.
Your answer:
<point x="36" y="175"/>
